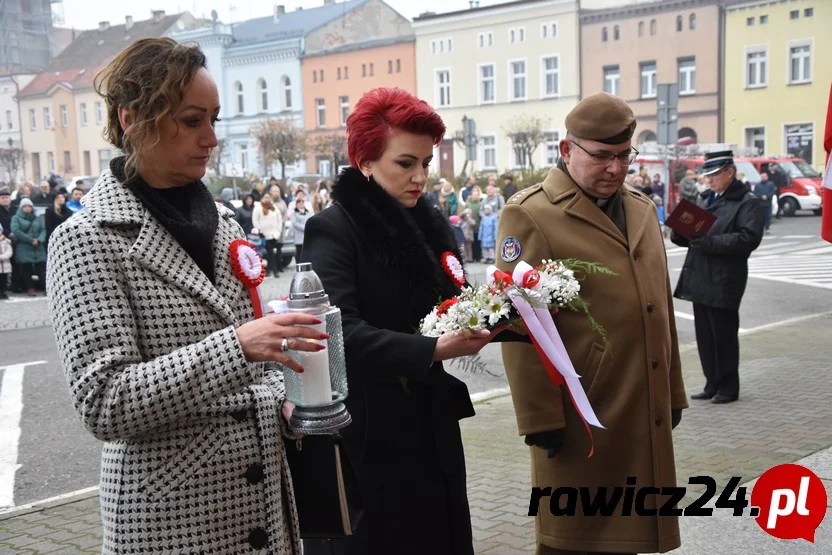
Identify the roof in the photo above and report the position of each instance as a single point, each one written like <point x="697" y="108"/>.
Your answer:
<point x="298" y="23"/>
<point x="94" y="48"/>
<point x="364" y="45"/>
<point x="432" y="15"/>
<point x="69" y="78"/>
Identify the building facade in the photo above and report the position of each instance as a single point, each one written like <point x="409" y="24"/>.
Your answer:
<point x="777" y="78"/>
<point x="505" y="67"/>
<point x="628" y="51"/>
<point x="12" y="168"/>
<point x="26" y="38"/>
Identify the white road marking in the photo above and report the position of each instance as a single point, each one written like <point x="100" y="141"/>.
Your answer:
<point x="68" y="497"/>
<point x="490" y="394"/>
<point x="11" y="407"/>
<point x="686" y="316"/>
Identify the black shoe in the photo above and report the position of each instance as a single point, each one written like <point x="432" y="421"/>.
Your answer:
<point x="720" y="399"/>
<point x="702" y="396"/>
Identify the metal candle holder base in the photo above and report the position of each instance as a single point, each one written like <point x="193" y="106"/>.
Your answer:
<point x="319" y="420"/>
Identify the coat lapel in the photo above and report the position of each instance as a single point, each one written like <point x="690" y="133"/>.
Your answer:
<point x="111" y="203"/>
<point x="638" y="215"/>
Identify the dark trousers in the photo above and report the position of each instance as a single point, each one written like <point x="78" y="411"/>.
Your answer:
<point x="766" y="215"/>
<point x="35" y="269"/>
<point x="476" y="250"/>
<point x="17" y="278"/>
<point x="298" y="249"/>
<point x="324" y="547"/>
<point x="273" y="248"/>
<point x="717" y="337"/>
<point x="3" y="279"/>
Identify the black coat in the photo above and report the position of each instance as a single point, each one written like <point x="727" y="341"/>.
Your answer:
<point x="380" y="264"/>
<point x="243" y="216"/>
<point x="53" y="220"/>
<point x="765" y="189"/>
<point x="716" y="266"/>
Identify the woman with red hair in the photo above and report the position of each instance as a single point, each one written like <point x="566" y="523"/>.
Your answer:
<point x="378" y="252"/>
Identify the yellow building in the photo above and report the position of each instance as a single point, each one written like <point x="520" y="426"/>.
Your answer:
<point x="777" y="76"/>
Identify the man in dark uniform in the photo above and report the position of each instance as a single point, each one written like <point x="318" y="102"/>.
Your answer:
<point x="715" y="273"/>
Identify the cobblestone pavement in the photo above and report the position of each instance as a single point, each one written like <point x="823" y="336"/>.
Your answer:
<point x="783" y="416"/>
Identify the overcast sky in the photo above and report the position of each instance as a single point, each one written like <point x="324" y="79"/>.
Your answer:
<point x="85" y="14"/>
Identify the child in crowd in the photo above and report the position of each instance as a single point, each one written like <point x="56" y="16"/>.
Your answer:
<point x="469" y="229"/>
<point x="5" y="263"/>
<point x="459" y="231"/>
<point x="259" y="243"/>
<point x="488" y="234"/>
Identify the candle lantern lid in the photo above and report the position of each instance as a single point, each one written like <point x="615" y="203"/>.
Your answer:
<point x="307" y="291"/>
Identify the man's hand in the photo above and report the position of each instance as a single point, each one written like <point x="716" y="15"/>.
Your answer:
<point x="552" y="441"/>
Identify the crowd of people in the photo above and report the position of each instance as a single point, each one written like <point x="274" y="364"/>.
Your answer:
<point x="29" y="216"/>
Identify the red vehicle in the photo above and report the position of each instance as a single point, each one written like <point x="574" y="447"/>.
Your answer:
<point x="802" y="191"/>
<point x="680" y="166"/>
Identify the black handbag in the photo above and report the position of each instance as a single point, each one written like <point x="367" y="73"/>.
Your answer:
<point x="326" y="490"/>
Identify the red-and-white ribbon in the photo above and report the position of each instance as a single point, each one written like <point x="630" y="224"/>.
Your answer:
<point x="249" y="268"/>
<point x="453" y="267"/>
<point x="547" y="342"/>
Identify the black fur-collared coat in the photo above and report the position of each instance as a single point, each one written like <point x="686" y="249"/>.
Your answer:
<point x="380" y="264"/>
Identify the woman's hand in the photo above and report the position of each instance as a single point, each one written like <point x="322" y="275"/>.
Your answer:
<point x="465" y="343"/>
<point x="287" y="409"/>
<point x="261" y="339"/>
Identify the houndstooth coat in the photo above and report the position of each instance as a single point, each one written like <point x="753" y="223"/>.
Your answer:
<point x="194" y="458"/>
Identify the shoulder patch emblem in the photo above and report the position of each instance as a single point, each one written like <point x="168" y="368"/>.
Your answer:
<point x="510" y="249"/>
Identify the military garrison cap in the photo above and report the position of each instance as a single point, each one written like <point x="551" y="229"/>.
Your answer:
<point x="602" y="117"/>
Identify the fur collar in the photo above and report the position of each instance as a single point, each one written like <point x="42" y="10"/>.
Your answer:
<point x="406" y="243"/>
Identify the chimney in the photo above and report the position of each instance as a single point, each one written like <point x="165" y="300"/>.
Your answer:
<point x="128" y="22"/>
<point x="158" y="15"/>
<point x="279" y="11"/>
<point x="328" y="2"/>
<point x="103" y="25"/>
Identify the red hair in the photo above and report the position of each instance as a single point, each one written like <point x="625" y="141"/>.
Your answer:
<point x="385" y="110"/>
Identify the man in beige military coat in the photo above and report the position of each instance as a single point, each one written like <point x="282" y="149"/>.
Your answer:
<point x="583" y="210"/>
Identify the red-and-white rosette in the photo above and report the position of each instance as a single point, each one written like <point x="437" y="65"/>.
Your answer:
<point x="249" y="268"/>
<point x="453" y="267"/>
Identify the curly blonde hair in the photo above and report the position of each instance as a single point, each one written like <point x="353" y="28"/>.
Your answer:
<point x="149" y="79"/>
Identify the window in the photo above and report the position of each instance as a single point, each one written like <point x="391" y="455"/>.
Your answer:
<point x="389" y="66"/>
<point x="800" y="63"/>
<point x="763" y="19"/>
<point x="371" y="69"/>
<point x="755" y="69"/>
<point x="36" y="173"/>
<point x="808" y="12"/>
<point x="67" y="161"/>
<point x="517" y="80"/>
<point x="612" y="80"/>
<point x="321" y="75"/>
<point x="287" y="92"/>
<point x="344" y="101"/>
<point x="603" y="34"/>
<point x="794" y="14"/>
<point x="33" y="121"/>
<point x="679" y="24"/>
<point x="749" y="21"/>
<point x="487" y="84"/>
<point x="314" y="76"/>
<point x="549" y="30"/>
<point x="398" y="65"/>
<point x="450" y="47"/>
<point x="99" y="112"/>
<point x="443" y="87"/>
<point x="347" y="71"/>
<point x="47" y="118"/>
<point x="83" y="110"/>
<point x="488" y="144"/>
<point x="50" y="161"/>
<point x="87" y="163"/>
<point x="433" y="47"/>
<point x="653" y="27"/>
<point x="339" y="73"/>
<point x="238" y="88"/>
<point x="519" y="159"/>
<point x="264" y="95"/>
<point x="485" y="40"/>
<point x="615" y="33"/>
<point x="9" y="123"/>
<point x="320" y="112"/>
<point x="692" y="21"/>
<point x="551" y="141"/>
<point x="551" y="76"/>
<point x="641" y="28"/>
<point x="363" y="70"/>
<point x="756" y="137"/>
<point x="800" y="140"/>
<point x="325" y="167"/>
<point x="648" y="79"/>
<point x="244" y="156"/>
<point x="516" y="34"/>
<point x="64" y="116"/>
<point x="687" y="76"/>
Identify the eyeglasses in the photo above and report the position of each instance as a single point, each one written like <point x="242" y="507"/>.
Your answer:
<point x="605" y="158"/>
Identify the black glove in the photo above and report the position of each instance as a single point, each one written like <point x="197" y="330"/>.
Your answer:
<point x="552" y="441"/>
<point x="675" y="417"/>
<point x="702" y="242"/>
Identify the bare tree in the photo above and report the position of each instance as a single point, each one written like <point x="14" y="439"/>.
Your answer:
<point x="526" y="134"/>
<point x="280" y="140"/>
<point x="12" y="159"/>
<point x="216" y="156"/>
<point x="333" y="147"/>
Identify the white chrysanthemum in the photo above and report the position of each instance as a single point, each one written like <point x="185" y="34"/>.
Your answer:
<point x="497" y="309"/>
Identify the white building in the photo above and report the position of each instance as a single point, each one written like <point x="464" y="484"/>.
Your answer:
<point x="497" y="64"/>
<point x="10" y="134"/>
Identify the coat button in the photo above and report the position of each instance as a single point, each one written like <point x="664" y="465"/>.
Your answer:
<point x="254" y="473"/>
<point x="258" y="538"/>
<point x="658" y="421"/>
<point x="240" y="415"/>
<point x="649" y="307"/>
<point x="655" y="363"/>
